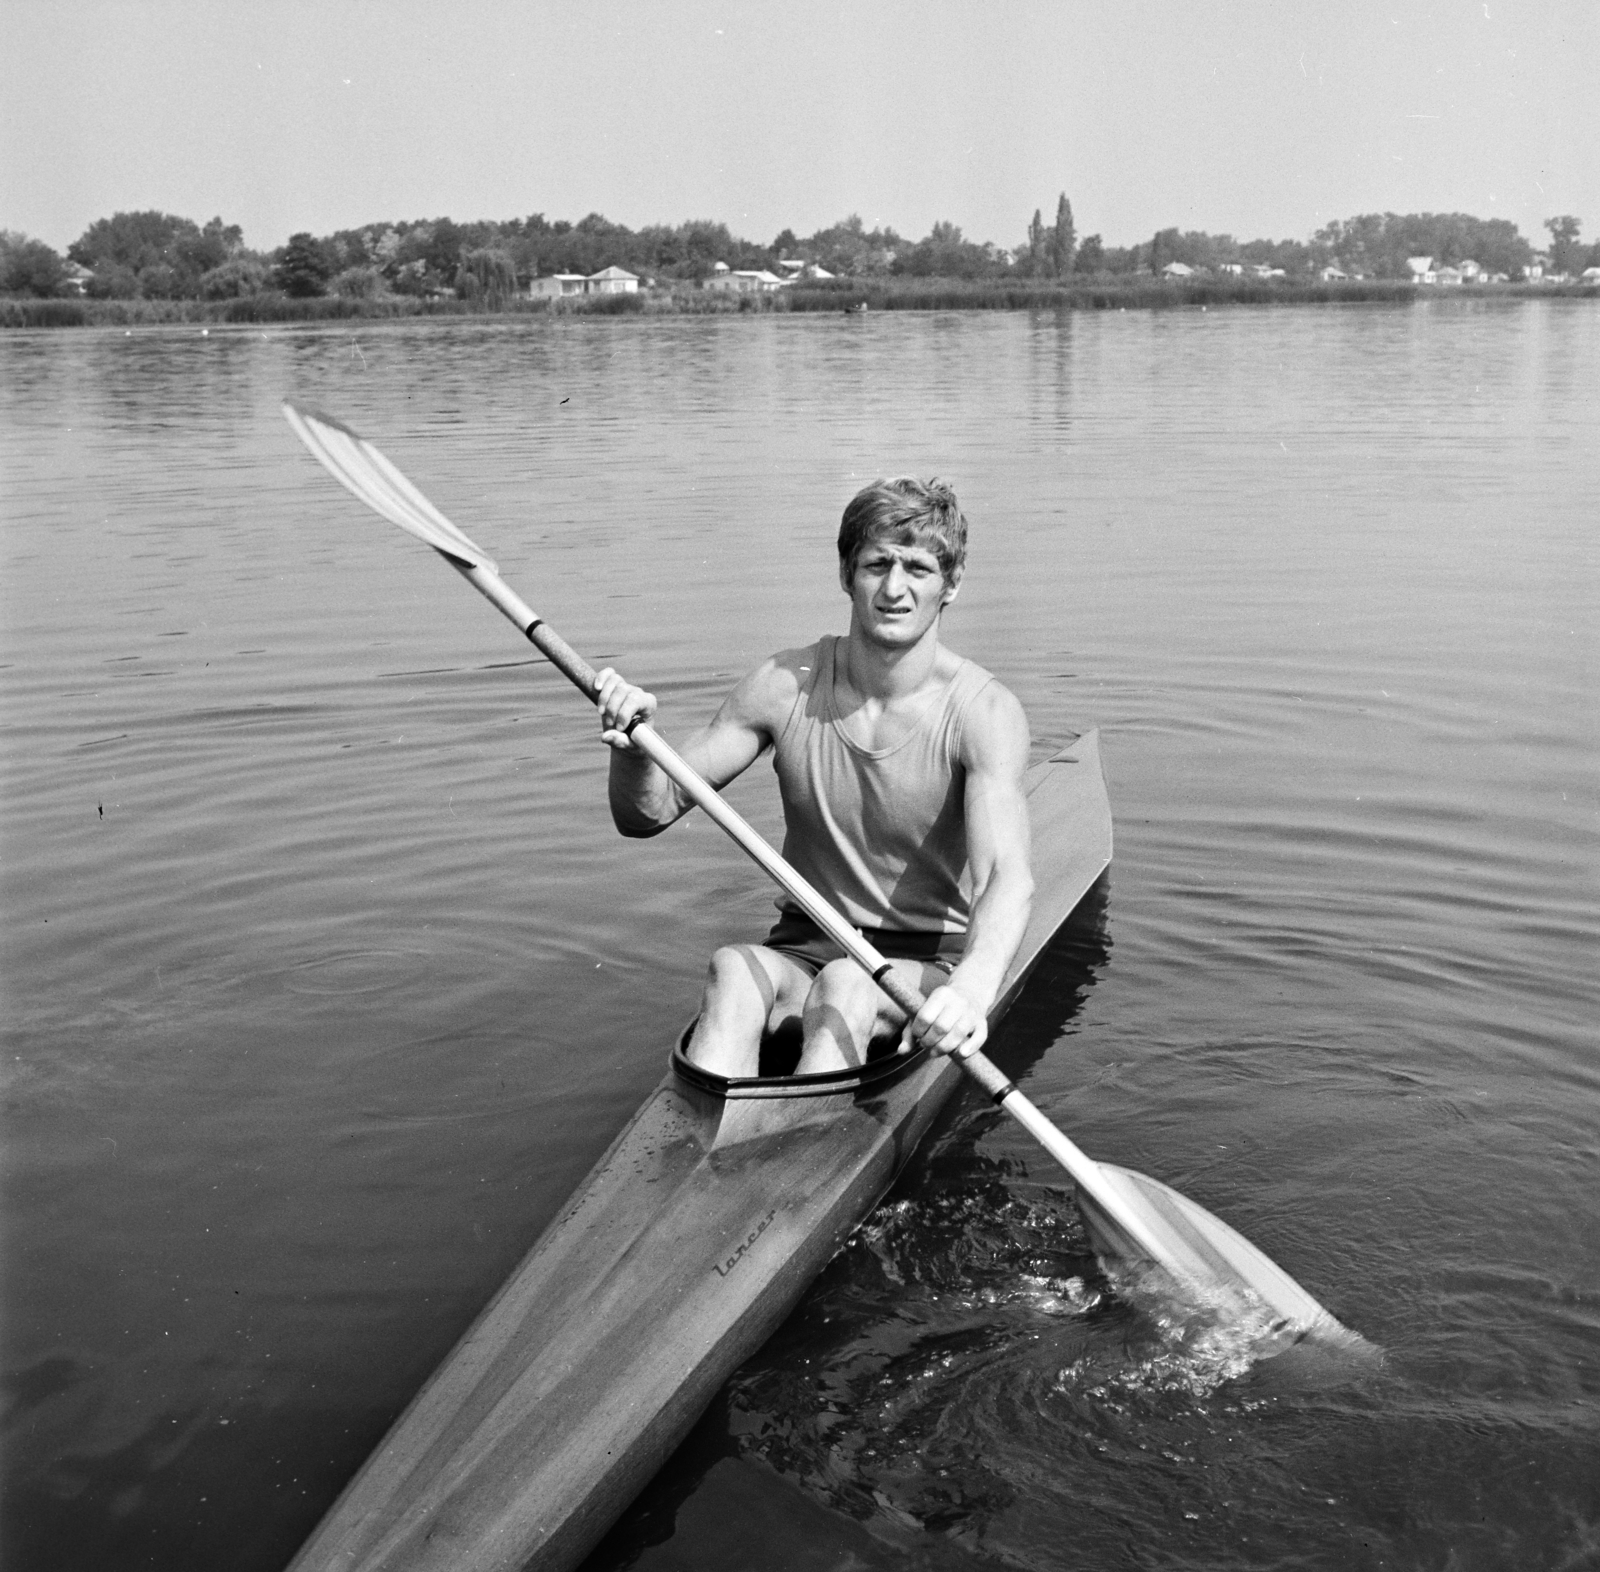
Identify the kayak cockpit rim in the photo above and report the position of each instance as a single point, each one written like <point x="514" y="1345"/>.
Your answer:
<point x="885" y="1070"/>
<point x="875" y="1075"/>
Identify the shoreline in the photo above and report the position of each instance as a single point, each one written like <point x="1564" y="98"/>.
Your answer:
<point x="885" y="294"/>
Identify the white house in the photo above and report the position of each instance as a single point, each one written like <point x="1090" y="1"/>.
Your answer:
<point x="744" y="281"/>
<point x="608" y="281"/>
<point x="612" y="281"/>
<point x="796" y="267"/>
<point x="1332" y="274"/>
<point x="557" y="285"/>
<point x="1422" y="270"/>
<point x="1177" y="270"/>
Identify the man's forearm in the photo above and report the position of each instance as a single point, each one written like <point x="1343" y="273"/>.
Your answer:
<point x="994" y="935"/>
<point x="643" y="799"/>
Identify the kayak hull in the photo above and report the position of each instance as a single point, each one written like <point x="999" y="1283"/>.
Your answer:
<point x="684" y="1249"/>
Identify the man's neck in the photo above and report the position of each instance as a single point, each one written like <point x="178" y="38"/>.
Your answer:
<point x="886" y="673"/>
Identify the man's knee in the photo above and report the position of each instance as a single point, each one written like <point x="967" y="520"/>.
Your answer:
<point x="842" y="986"/>
<point x="841" y="979"/>
<point x="727" y="962"/>
<point x="735" y="974"/>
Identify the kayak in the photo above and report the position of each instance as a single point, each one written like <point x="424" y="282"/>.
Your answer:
<point x="683" y="1250"/>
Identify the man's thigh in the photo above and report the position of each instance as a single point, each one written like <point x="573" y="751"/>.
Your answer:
<point x="868" y="1011"/>
<point x="923" y="975"/>
<point x="782" y="981"/>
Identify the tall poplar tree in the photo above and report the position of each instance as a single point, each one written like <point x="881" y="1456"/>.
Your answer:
<point x="1036" y="242"/>
<point x="1063" y="239"/>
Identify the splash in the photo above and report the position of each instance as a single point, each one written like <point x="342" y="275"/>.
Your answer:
<point x="1050" y="1296"/>
<point x="1187" y="1342"/>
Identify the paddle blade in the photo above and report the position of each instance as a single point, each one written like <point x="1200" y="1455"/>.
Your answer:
<point x="368" y="476"/>
<point x="1210" y="1263"/>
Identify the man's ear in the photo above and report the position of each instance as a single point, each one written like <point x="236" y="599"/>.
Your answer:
<point x="846" y="575"/>
<point x="953" y="588"/>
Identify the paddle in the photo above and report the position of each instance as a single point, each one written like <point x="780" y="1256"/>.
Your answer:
<point x="1133" y="1218"/>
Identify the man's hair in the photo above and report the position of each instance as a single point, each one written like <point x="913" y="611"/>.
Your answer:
<point x="906" y="511"/>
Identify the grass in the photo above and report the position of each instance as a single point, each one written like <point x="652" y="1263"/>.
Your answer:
<point x="1102" y="293"/>
<point x="269" y="306"/>
<point x="43" y="313"/>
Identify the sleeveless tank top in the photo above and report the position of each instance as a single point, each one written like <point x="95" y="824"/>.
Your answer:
<point x="881" y="831"/>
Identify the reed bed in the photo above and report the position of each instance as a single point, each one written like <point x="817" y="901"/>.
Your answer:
<point x="1090" y="294"/>
<point x="886" y="294"/>
<point x="42" y="313"/>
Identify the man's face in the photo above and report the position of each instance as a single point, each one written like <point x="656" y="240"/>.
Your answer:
<point x="898" y="591"/>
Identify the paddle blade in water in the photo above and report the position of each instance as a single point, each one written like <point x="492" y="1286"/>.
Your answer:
<point x="1157" y="1244"/>
<point x="1209" y="1264"/>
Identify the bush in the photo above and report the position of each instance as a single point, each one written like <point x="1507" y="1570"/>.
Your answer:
<point x="30" y="267"/>
<point x="359" y="283"/>
<point x="303" y="268"/>
<point x="112" y="281"/>
<point x="487" y="273"/>
<point x="618" y="305"/>
<point x="160" y="282"/>
<point x="233" y="279"/>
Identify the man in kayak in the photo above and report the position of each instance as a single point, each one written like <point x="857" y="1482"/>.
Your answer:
<point x="900" y="768"/>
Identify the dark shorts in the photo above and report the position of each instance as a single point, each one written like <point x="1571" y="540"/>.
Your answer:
<point x="796" y="936"/>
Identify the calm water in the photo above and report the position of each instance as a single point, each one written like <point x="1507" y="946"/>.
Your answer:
<point x="325" y="977"/>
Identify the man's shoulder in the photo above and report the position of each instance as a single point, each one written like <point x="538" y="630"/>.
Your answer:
<point x="994" y="726"/>
<point x="765" y="696"/>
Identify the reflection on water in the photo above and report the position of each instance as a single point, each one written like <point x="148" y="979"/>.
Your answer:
<point x="325" y="977"/>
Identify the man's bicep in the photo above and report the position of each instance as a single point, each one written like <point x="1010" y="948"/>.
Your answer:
<point x="724" y="749"/>
<point x="738" y="732"/>
<point x="996" y="802"/>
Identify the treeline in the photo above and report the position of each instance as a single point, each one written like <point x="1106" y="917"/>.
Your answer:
<point x="162" y="257"/>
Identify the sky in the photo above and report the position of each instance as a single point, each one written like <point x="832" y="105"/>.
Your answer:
<point x="1257" y="118"/>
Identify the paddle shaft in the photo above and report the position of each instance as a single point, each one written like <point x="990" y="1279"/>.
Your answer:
<point x="1084" y="1170"/>
<point x="582" y="675"/>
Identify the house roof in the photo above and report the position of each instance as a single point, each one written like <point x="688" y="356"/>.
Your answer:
<point x="613" y="272"/>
